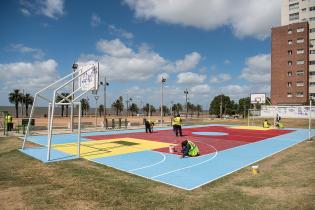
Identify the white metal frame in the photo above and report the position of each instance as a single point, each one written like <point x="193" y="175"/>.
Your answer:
<point x="57" y="86"/>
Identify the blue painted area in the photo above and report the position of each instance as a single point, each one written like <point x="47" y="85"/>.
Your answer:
<point x="40" y="153"/>
<point x="184" y="173"/>
<point x="210" y="133"/>
<point x="190" y="173"/>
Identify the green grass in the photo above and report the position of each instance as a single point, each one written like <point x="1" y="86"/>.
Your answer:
<point x="286" y="181"/>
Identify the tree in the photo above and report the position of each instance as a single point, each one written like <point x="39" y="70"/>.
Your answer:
<point x="133" y="108"/>
<point x="15" y="98"/>
<point x="67" y="106"/>
<point x="118" y="105"/>
<point x="166" y="110"/>
<point x="85" y="106"/>
<point x="152" y="109"/>
<point x="198" y="109"/>
<point x="101" y="109"/>
<point x="58" y="99"/>
<point x="176" y="108"/>
<point x="227" y="106"/>
<point x="243" y="106"/>
<point x="27" y="100"/>
<point x="146" y="109"/>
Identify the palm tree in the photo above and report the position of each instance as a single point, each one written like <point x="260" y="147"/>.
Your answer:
<point x="198" y="109"/>
<point x="133" y="108"/>
<point x="67" y="106"/>
<point x="28" y="100"/>
<point x="101" y="109"/>
<point x="152" y="109"/>
<point x="177" y="108"/>
<point x="84" y="106"/>
<point x="118" y="105"/>
<point x="59" y="98"/>
<point x="146" y="109"/>
<point x="15" y="98"/>
<point x="166" y="110"/>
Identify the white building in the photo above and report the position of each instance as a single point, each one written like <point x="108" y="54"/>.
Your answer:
<point x="294" y="11"/>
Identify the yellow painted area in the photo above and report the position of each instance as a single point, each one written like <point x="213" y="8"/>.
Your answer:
<point x="110" y="147"/>
<point x="252" y="128"/>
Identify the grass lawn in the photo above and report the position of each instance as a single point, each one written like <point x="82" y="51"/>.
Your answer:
<point x="286" y="181"/>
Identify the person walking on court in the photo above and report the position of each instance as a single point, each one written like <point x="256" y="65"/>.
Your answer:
<point x="177" y="123"/>
<point x="189" y="149"/>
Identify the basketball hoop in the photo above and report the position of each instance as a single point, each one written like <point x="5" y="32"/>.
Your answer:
<point x="258" y="100"/>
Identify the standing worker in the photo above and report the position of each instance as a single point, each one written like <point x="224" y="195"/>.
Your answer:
<point x="178" y="125"/>
<point x="8" y="122"/>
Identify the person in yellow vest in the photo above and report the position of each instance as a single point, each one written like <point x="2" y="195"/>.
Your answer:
<point x="151" y="125"/>
<point x="8" y="122"/>
<point x="177" y="123"/>
<point x="189" y="149"/>
<point x="266" y="124"/>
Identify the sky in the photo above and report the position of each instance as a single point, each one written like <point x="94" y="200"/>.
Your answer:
<point x="208" y="47"/>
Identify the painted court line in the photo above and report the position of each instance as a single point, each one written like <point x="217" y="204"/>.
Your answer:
<point x="269" y="155"/>
<point x="148" y="166"/>
<point x="180" y="169"/>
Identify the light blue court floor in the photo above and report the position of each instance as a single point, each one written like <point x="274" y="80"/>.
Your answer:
<point x="148" y="158"/>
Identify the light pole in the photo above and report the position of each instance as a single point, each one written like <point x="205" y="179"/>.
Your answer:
<point x="127" y="102"/>
<point x="163" y="80"/>
<point x="74" y="68"/>
<point x="221" y="104"/>
<point x="96" y="98"/>
<point x="186" y="93"/>
<point x="104" y="84"/>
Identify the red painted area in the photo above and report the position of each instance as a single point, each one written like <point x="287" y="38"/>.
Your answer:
<point x="235" y="137"/>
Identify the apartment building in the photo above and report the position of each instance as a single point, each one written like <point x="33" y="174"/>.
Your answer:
<point x="293" y="54"/>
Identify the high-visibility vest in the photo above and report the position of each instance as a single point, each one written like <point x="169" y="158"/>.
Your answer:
<point x="266" y="124"/>
<point x="9" y="119"/>
<point x="194" y="150"/>
<point x="177" y="121"/>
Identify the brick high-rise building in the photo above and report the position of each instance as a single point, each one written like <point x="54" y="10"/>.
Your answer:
<point x="293" y="54"/>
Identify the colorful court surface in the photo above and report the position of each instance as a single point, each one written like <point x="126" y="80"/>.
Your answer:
<point x="224" y="149"/>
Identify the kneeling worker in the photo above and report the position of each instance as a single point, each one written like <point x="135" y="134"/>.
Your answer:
<point x="266" y="124"/>
<point x="189" y="149"/>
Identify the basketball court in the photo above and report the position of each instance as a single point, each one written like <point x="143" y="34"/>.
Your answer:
<point x="224" y="149"/>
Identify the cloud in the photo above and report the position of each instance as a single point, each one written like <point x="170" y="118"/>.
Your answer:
<point x="189" y="62"/>
<point x="122" y="63"/>
<point x="50" y="8"/>
<point x="242" y="16"/>
<point x="201" y="89"/>
<point x="120" y="32"/>
<point x="95" y="20"/>
<point x="220" y="78"/>
<point x="28" y="76"/>
<point x="227" y="61"/>
<point x="257" y="69"/>
<point x="114" y="47"/>
<point x="36" y="53"/>
<point x="190" y="78"/>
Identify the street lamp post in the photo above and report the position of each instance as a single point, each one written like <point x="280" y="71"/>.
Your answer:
<point x="186" y="93"/>
<point x="104" y="84"/>
<point x="74" y="68"/>
<point x="96" y="98"/>
<point x="162" y="83"/>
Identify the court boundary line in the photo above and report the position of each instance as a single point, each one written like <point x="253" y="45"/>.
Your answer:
<point x="247" y="164"/>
